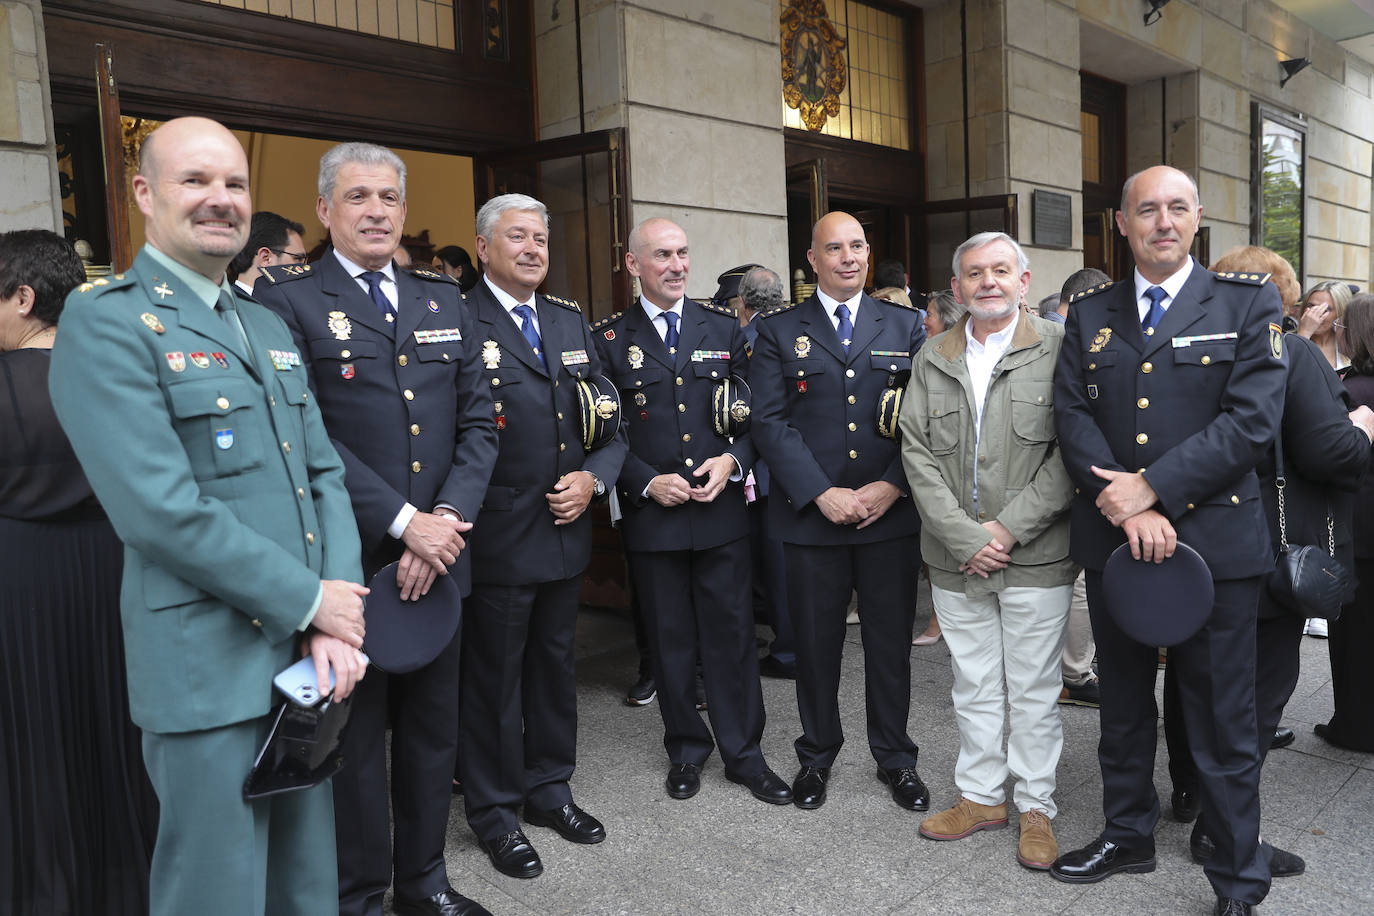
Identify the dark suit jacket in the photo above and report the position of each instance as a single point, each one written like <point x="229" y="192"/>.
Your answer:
<point x="1361" y="390"/>
<point x="391" y="402"/>
<point x="663" y="438"/>
<point x="816" y="409"/>
<point x="1195" y="415"/>
<point x="540" y="439"/>
<point x="226" y="533"/>
<point x="1324" y="459"/>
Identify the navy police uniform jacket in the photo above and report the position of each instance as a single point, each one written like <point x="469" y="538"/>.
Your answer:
<point x="540" y="440"/>
<point x="816" y="409"/>
<point x="212" y="462"/>
<point x="666" y="415"/>
<point x="1193" y="407"/>
<point x="404" y="401"/>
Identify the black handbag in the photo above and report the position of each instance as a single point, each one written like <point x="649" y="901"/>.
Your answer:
<point x="1307" y="580"/>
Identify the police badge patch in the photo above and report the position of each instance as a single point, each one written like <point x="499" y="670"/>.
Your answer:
<point x="340" y="326"/>
<point x="802" y="347"/>
<point x="1104" y="336"/>
<point x="1275" y="341"/>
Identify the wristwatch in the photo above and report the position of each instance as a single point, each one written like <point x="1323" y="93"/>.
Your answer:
<point x="598" y="488"/>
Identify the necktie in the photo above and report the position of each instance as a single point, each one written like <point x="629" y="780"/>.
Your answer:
<point x="531" y="332"/>
<point x="374" y="291"/>
<point x="229" y="314"/>
<point x="670" y="338"/>
<point x="846" y="327"/>
<point x="1156" y="312"/>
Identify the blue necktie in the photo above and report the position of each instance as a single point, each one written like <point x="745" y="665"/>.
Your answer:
<point x="670" y="339"/>
<point x="846" y="327"/>
<point x="374" y="280"/>
<point x="531" y="332"/>
<point x="1156" y="312"/>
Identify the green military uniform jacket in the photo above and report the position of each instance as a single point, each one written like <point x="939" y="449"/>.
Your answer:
<point x="1022" y="482"/>
<point x="212" y="462"/>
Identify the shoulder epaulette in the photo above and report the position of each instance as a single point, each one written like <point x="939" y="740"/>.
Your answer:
<point x="716" y="307"/>
<point x="566" y="303"/>
<point x="283" y="273"/>
<point x="899" y="305"/>
<point x="1092" y="291"/>
<point x="608" y="321"/>
<point x="786" y="306"/>
<point x="424" y="273"/>
<point x="105" y="284"/>
<point x="1252" y="279"/>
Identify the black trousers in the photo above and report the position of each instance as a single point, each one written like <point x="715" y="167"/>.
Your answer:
<point x="1352" y="675"/>
<point x="519" y="701"/>
<point x="770" y="582"/>
<point x="820" y="581"/>
<point x="1276" y="674"/>
<point x="1216" y="678"/>
<point x="424" y="743"/>
<point x="697" y="601"/>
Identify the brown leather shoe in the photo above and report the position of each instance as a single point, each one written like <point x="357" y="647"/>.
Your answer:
<point x="1036" y="849"/>
<point x="964" y="818"/>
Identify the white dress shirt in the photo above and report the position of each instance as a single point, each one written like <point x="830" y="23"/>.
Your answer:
<point x="1171" y="286"/>
<point x="388" y="279"/>
<point x="830" y="303"/>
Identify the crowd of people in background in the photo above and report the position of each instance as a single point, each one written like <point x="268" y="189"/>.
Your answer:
<point x="268" y="434"/>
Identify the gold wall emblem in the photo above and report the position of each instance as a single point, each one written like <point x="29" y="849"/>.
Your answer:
<point x="813" y="69"/>
<point x="340" y="326"/>
<point x="802" y="347"/>
<point x="491" y="354"/>
<point x="1104" y="335"/>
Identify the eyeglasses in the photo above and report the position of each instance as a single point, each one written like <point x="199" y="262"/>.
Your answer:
<point x="297" y="257"/>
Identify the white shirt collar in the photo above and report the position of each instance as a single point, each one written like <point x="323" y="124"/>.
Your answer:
<point x="829" y="302"/>
<point x="1171" y="285"/>
<point x="654" y="311"/>
<point x="509" y="302"/>
<point x="354" y="269"/>
<point x="997" y="341"/>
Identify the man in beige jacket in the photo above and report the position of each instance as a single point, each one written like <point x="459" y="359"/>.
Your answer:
<point x="978" y="446"/>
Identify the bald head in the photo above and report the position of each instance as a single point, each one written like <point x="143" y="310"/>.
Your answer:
<point x="657" y="256"/>
<point x="1159" y="216"/>
<point x="192" y="187"/>
<point x="839" y="255"/>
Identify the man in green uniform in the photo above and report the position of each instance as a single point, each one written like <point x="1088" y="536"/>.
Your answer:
<point x="189" y="410"/>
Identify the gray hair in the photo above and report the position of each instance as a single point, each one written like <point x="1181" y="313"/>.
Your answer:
<point x="760" y="289"/>
<point x="946" y="308"/>
<point x="987" y="238"/>
<point x="1049" y="304"/>
<point x="498" y="206"/>
<point x="360" y="154"/>
<point x="1126" y="188"/>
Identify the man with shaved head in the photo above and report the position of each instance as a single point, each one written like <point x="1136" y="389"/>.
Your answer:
<point x="819" y="373"/>
<point x="240" y="547"/>
<point x="682" y="493"/>
<point x="1168" y="392"/>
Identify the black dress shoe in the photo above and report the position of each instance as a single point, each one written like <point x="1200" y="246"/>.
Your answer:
<point x="907" y="788"/>
<point x="808" y="789"/>
<point x="1186" y="806"/>
<point x="684" y="780"/>
<point x="769" y="666"/>
<point x="512" y="855"/>
<point x="572" y="823"/>
<point x="1200" y="845"/>
<point x="1282" y="738"/>
<point x="766" y="786"/>
<point x="447" y="902"/>
<point x="1230" y="906"/>
<point x="1282" y="863"/>
<point x="1100" y="859"/>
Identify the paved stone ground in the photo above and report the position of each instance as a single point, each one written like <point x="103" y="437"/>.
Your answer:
<point x="722" y="852"/>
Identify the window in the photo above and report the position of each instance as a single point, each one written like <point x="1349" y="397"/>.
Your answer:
<point x="873" y="105"/>
<point x="1279" y="144"/>
<point x="422" y="22"/>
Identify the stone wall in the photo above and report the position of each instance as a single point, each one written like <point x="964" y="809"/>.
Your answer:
<point x="697" y="84"/>
<point x="1207" y="60"/>
<point x="29" y="197"/>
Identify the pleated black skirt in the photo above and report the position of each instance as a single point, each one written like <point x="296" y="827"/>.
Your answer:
<point x="78" y="816"/>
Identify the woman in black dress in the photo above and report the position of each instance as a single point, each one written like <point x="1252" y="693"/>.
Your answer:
<point x="1352" y="636"/>
<point x="81" y="815"/>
